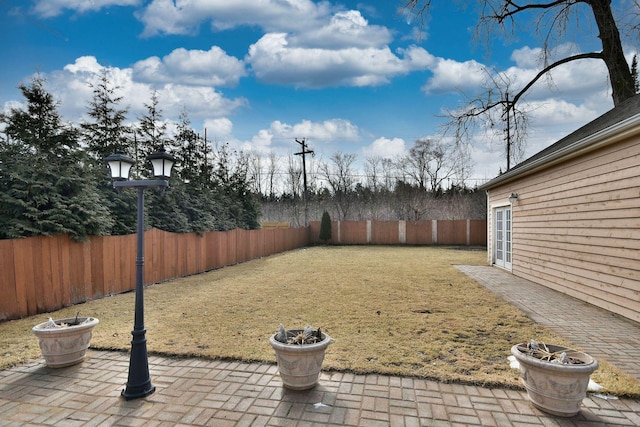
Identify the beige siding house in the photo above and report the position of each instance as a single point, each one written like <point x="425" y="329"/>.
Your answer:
<point x="569" y="216"/>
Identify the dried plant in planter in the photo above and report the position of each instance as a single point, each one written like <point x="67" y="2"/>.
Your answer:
<point x="541" y="351"/>
<point x="64" y="342"/>
<point x="556" y="377"/>
<point x="308" y="335"/>
<point x="299" y="354"/>
<point x="75" y="322"/>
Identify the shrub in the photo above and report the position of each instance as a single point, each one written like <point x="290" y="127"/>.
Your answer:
<point x="325" y="227"/>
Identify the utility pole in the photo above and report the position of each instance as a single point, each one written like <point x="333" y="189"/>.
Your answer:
<point x="304" y="153"/>
<point x="508" y="131"/>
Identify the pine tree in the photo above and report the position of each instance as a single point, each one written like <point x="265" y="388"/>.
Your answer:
<point x="236" y="205"/>
<point x="196" y="199"/>
<point x="106" y="133"/>
<point x="325" y="227"/>
<point x="46" y="189"/>
<point x="103" y="135"/>
<point x="151" y="136"/>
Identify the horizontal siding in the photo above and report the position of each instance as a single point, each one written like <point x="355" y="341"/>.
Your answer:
<point x="576" y="227"/>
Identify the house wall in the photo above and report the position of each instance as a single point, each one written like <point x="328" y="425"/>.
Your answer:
<point x="576" y="227"/>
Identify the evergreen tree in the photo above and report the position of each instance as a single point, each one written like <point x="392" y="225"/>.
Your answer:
<point x="191" y="154"/>
<point x="46" y="189"/>
<point x="187" y="154"/>
<point x="236" y="206"/>
<point x="106" y="134"/>
<point x="325" y="227"/>
<point x="162" y="207"/>
<point x="151" y="137"/>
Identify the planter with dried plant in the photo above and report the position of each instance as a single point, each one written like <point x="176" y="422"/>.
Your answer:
<point x="64" y="342"/>
<point x="299" y="354"/>
<point x="556" y="378"/>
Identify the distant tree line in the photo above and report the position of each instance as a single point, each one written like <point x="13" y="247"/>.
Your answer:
<point x="53" y="179"/>
<point x="425" y="183"/>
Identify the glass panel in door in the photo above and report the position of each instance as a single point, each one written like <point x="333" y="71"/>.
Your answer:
<point x="502" y="237"/>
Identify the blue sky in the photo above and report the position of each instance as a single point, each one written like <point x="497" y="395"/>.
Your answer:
<point x="348" y="76"/>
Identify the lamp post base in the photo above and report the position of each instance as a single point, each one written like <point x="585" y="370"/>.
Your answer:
<point x="139" y="381"/>
<point x="136" y="392"/>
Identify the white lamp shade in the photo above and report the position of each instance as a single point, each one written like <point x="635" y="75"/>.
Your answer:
<point x="162" y="164"/>
<point x="120" y="166"/>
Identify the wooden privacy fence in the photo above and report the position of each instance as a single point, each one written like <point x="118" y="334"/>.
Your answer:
<point x="466" y="232"/>
<point x="41" y="274"/>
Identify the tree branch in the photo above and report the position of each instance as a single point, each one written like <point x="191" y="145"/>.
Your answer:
<point x="591" y="55"/>
<point x="506" y="13"/>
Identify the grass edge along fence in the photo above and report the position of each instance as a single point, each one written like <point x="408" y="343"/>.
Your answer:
<point x="41" y="274"/>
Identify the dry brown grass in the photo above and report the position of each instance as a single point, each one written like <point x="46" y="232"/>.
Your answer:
<point x="391" y="310"/>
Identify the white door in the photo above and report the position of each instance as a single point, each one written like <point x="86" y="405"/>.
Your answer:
<point x="502" y="237"/>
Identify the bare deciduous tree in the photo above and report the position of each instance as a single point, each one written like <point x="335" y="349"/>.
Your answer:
<point x="389" y="176"/>
<point x="373" y="172"/>
<point x="294" y="177"/>
<point x="272" y="169"/>
<point x="340" y="177"/>
<point x="554" y="17"/>
<point x="255" y="171"/>
<point x="429" y="163"/>
<point x="487" y="110"/>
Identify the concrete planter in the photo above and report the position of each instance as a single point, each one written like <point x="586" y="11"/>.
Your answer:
<point x="300" y="365"/>
<point x="555" y="388"/>
<point x="64" y="346"/>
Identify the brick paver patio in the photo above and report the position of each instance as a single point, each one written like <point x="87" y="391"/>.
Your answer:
<point x="220" y="393"/>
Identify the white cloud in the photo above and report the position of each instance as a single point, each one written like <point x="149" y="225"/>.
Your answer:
<point x="322" y="136"/>
<point x="88" y="64"/>
<point x="385" y="148"/>
<point x="572" y="80"/>
<point x="50" y="8"/>
<point x="552" y="111"/>
<point x="452" y="76"/>
<point x="185" y="17"/>
<point x="273" y="60"/>
<point x="260" y="143"/>
<point x="328" y="130"/>
<point x="192" y="67"/>
<point x="220" y="128"/>
<point x="417" y="58"/>
<point x="306" y="44"/>
<point x="72" y="86"/>
<point x="527" y="57"/>
<point x="345" y="29"/>
<point x="199" y="101"/>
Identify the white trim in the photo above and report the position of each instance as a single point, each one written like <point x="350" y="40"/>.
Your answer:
<point x="507" y="252"/>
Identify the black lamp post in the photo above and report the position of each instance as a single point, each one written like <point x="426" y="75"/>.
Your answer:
<point x="139" y="382"/>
